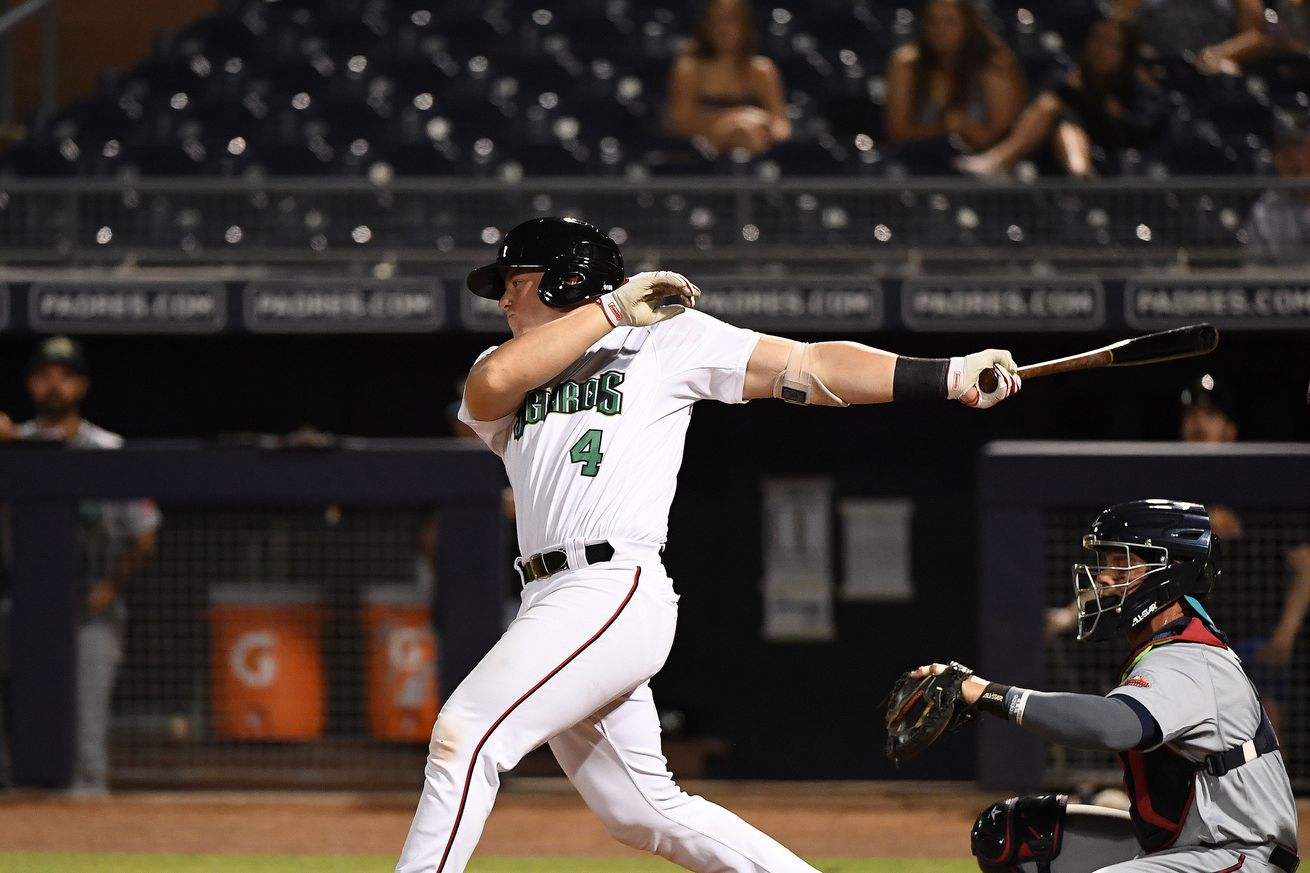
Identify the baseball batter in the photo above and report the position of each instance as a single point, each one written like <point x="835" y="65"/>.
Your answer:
<point x="588" y="404"/>
<point x="1201" y="762"/>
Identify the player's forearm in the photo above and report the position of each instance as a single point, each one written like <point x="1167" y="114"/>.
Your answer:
<point x="856" y="373"/>
<point x="859" y="374"/>
<point x="499" y="382"/>
<point x="1083" y="721"/>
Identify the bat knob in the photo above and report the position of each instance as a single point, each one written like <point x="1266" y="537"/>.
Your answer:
<point x="988" y="380"/>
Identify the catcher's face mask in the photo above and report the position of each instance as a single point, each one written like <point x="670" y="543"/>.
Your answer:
<point x="1112" y="572"/>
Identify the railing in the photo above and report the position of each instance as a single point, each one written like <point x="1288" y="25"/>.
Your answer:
<point x="782" y="225"/>
<point x="49" y="53"/>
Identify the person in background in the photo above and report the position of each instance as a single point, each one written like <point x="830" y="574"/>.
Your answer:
<point x="955" y="81"/>
<point x="1290" y="33"/>
<point x="116" y="539"/>
<point x="1264" y="634"/>
<point x="1218" y="36"/>
<point x="1278" y="227"/>
<point x="1107" y="103"/>
<point x="721" y="92"/>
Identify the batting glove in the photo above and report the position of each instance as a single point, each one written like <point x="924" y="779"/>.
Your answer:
<point x="639" y="301"/>
<point x="962" y="378"/>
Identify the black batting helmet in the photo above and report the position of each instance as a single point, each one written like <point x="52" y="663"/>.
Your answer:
<point x="579" y="261"/>
<point x="1169" y="539"/>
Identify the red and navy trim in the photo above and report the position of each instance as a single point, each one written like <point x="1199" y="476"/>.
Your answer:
<point x="473" y="761"/>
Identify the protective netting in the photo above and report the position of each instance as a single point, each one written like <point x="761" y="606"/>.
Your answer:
<point x="289" y="646"/>
<point x="1247" y="604"/>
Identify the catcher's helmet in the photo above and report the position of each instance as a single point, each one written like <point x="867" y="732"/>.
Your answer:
<point x="579" y="261"/>
<point x="1169" y="539"/>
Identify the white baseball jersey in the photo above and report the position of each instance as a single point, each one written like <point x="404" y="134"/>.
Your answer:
<point x="594" y="454"/>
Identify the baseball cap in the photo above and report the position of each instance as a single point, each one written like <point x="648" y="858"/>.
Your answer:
<point x="1208" y="393"/>
<point x="58" y="350"/>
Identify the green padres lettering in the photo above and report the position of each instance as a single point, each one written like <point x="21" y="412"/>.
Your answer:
<point x="599" y="392"/>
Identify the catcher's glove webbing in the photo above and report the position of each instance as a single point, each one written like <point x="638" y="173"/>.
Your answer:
<point x="921" y="711"/>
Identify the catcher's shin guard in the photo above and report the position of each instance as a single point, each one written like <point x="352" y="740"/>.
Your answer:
<point x="1047" y="834"/>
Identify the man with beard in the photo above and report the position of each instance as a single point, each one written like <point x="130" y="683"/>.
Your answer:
<point x="116" y="538"/>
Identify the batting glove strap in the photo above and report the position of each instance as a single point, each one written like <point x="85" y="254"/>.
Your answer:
<point x="955" y="382"/>
<point x="609" y="306"/>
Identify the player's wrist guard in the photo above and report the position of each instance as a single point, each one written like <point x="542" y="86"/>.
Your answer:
<point x="1004" y="701"/>
<point x="925" y="378"/>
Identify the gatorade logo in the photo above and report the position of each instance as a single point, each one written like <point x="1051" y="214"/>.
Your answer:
<point x="252" y="659"/>
<point x="406" y="649"/>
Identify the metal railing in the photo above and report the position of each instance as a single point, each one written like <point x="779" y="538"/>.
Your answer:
<point x="789" y="223"/>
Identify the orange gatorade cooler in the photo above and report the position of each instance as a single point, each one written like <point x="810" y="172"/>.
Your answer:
<point x="401" y="655"/>
<point x="266" y="662"/>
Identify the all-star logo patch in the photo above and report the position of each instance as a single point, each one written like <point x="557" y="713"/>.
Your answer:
<point x="1139" y="681"/>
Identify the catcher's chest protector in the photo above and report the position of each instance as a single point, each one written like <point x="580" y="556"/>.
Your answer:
<point x="1161" y="784"/>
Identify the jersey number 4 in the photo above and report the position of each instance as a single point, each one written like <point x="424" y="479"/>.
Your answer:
<point x="586" y="451"/>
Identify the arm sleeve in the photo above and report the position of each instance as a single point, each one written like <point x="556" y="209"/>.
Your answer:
<point x="494" y="433"/>
<point x="1085" y="721"/>
<point x="703" y="358"/>
<point x="1167" y="684"/>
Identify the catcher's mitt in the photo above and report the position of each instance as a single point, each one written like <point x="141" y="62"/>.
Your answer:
<point x="923" y="710"/>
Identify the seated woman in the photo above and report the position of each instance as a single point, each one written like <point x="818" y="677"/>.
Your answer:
<point x="721" y="92"/>
<point x="1106" y="102"/>
<point x="1219" y="35"/>
<point x="955" y="80"/>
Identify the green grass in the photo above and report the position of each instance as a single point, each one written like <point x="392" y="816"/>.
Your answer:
<point x="50" y="862"/>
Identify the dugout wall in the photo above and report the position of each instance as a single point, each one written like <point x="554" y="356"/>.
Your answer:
<point x="332" y="526"/>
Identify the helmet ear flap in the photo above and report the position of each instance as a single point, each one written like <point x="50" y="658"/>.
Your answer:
<point x="564" y="283"/>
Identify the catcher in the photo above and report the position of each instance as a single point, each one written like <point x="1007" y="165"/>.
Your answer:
<point x="1209" y="792"/>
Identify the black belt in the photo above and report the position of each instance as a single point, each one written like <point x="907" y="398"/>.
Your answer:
<point x="544" y="564"/>
<point x="1284" y="859"/>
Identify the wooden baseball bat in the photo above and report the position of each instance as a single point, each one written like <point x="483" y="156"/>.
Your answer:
<point x="1166" y="345"/>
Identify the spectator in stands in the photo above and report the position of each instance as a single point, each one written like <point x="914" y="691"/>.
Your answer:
<point x="721" y="92"/>
<point x="1106" y="103"/>
<point x="1290" y="34"/>
<point x="1278" y="227"/>
<point x="956" y="85"/>
<point x="117" y="537"/>
<point x="1218" y="35"/>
